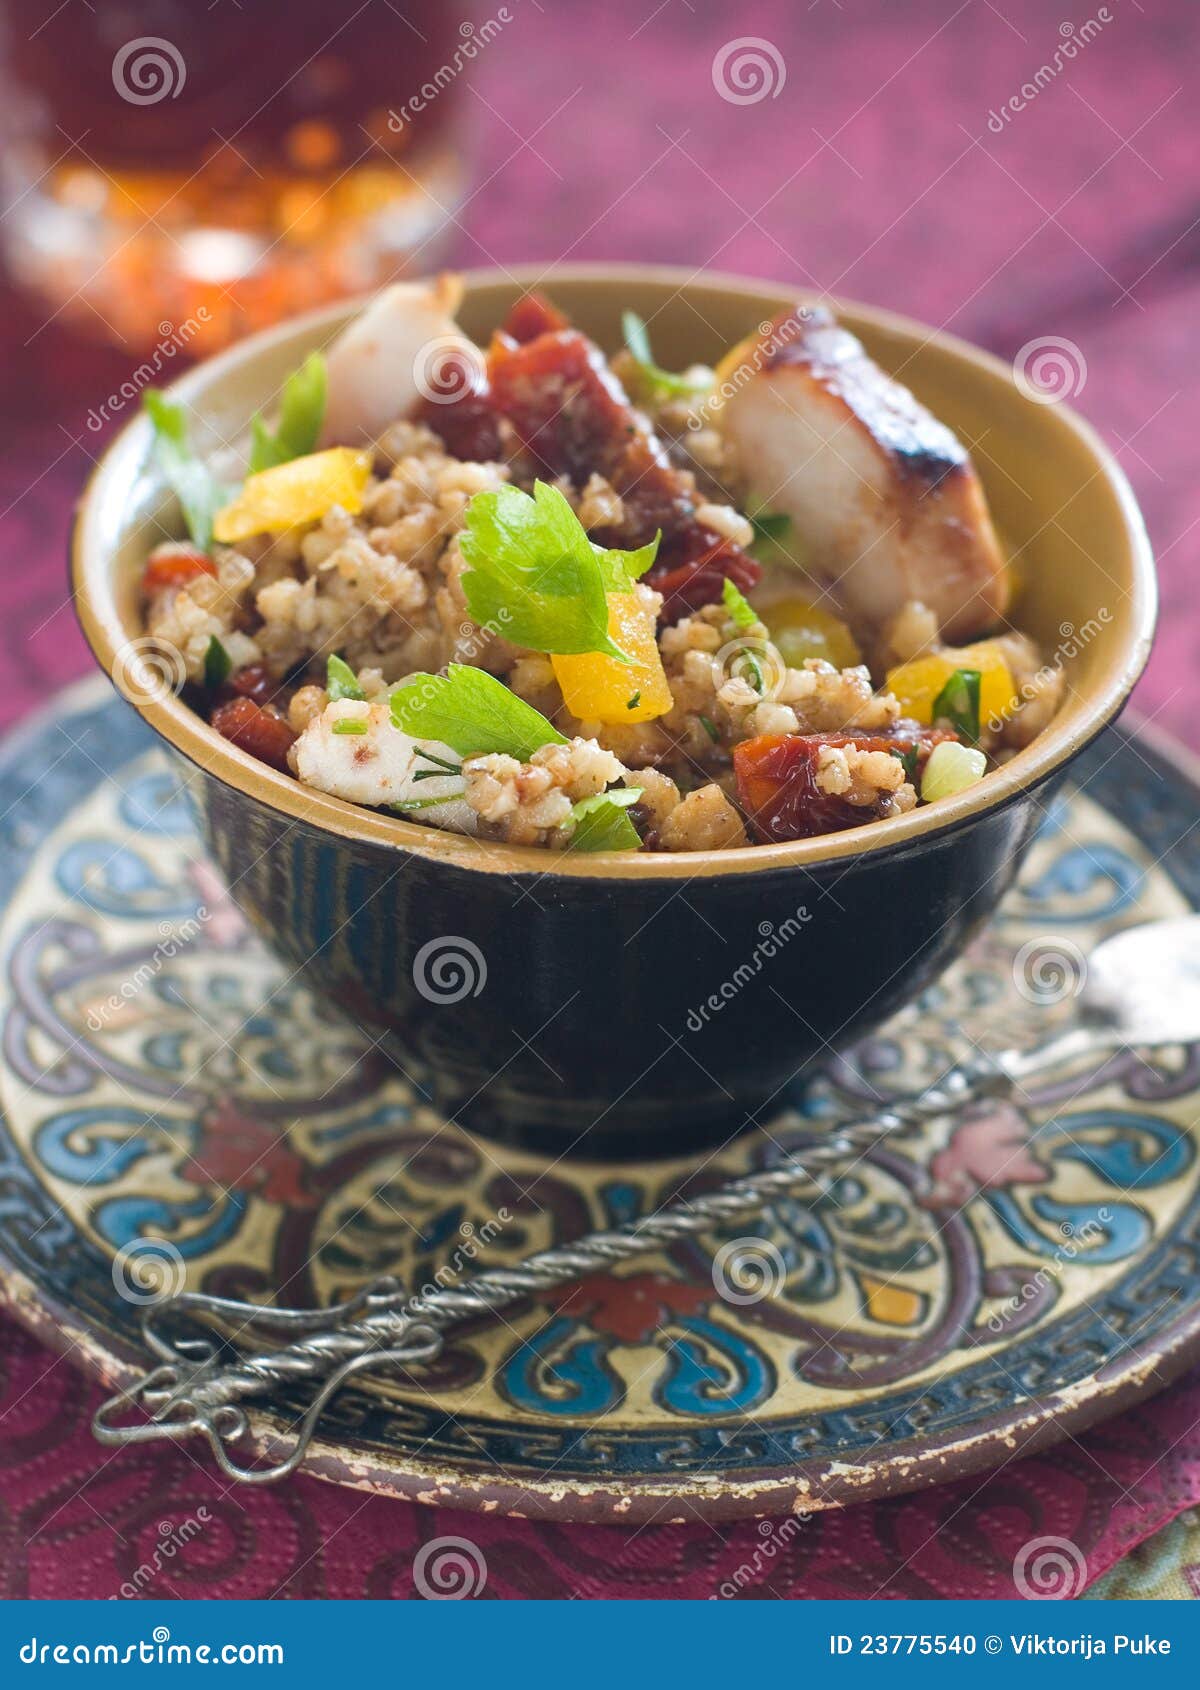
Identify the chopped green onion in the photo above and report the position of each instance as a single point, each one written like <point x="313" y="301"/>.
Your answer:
<point x="632" y="703"/>
<point x="341" y="681"/>
<point x="402" y="805"/>
<point x="199" y="493"/>
<point x="217" y="664"/>
<point x="637" y="340"/>
<point x="301" y="412"/>
<point x="951" y="768"/>
<point x="770" y="525"/>
<point x="350" y="725"/>
<point x="709" y="728"/>
<point x="958" y="703"/>
<point x="737" y="605"/>
<point x="601" y="823"/>
<point x="757" y="680"/>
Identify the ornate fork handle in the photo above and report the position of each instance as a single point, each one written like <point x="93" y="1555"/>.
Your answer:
<point x="193" y="1393"/>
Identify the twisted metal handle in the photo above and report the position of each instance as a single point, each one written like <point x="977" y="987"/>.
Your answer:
<point x="193" y="1393"/>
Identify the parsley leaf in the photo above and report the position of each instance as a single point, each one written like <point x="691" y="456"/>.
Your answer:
<point x="199" y="493"/>
<point x="737" y="605"/>
<point x="217" y="664"/>
<point x="637" y="340"/>
<point x="471" y="712"/>
<point x="620" y="570"/>
<point x="534" y="572"/>
<point x="958" y="703"/>
<point x="301" y="412"/>
<point x="341" y="681"/>
<point x="601" y="823"/>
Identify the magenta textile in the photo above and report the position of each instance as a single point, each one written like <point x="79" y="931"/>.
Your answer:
<point x="890" y="166"/>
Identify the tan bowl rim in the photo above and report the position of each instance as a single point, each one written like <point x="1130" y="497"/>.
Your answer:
<point x="189" y="734"/>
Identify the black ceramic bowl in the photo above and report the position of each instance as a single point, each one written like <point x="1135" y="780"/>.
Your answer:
<point x="645" y="1004"/>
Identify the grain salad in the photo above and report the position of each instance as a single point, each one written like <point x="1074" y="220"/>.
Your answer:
<point x="539" y="596"/>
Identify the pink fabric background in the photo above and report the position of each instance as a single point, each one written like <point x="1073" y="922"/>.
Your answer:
<point x="873" y="174"/>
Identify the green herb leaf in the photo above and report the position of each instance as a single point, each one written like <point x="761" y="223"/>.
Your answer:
<point x="637" y="340"/>
<point x="403" y="805"/>
<point x="301" y="412"/>
<point x="217" y="664"/>
<point x="341" y="681"/>
<point x="770" y="525"/>
<point x="534" y="572"/>
<point x="710" y="728"/>
<point x="601" y="823"/>
<point x="471" y="712"/>
<point x="737" y="605"/>
<point x="199" y="493"/>
<point x="619" y="570"/>
<point x="958" y="703"/>
<point x="350" y="725"/>
<point x="775" y="539"/>
<point x="632" y="703"/>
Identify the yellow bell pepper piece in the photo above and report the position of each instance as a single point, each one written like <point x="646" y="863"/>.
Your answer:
<point x="918" y="683"/>
<point x="800" y="629"/>
<point x="299" y="491"/>
<point x="597" y="688"/>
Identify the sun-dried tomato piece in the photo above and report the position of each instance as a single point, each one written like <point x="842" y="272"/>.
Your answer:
<point x="777" y="778"/>
<point x="466" y="425"/>
<point x="699" y="581"/>
<point x="574" y="417"/>
<point x="175" y="569"/>
<point x="253" y="680"/>
<point x="532" y="315"/>
<point x="260" y="731"/>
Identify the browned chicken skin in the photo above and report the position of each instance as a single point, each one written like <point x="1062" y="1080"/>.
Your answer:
<point x="884" y="497"/>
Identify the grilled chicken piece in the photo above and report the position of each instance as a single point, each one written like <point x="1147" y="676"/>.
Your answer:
<point x="405" y="346"/>
<point x="885" y="500"/>
<point x="379" y="765"/>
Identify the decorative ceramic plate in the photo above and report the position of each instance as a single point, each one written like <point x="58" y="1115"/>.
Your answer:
<point x="172" y="1100"/>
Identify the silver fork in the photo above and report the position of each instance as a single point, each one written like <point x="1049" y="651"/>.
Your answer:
<point x="1142" y="990"/>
